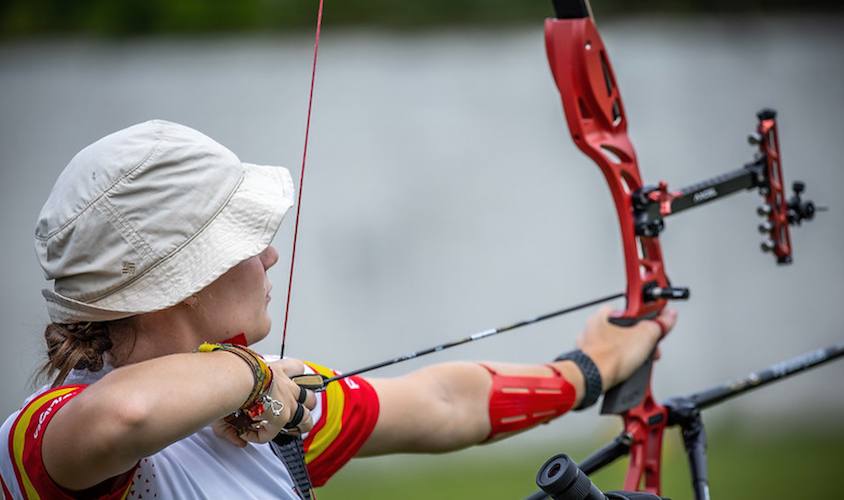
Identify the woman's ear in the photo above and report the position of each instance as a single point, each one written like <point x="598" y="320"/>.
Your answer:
<point x="192" y="301"/>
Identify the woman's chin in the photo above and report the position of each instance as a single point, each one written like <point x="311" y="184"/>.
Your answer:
<point x="264" y="331"/>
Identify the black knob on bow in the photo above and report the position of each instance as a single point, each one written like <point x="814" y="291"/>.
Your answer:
<point x="666" y="292"/>
<point x="798" y="209"/>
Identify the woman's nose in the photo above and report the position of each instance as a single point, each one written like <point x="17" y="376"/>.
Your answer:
<point x="269" y="257"/>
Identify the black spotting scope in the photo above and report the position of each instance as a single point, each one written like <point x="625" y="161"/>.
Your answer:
<point x="561" y="479"/>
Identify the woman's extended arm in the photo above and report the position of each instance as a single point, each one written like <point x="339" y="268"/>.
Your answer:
<point x="446" y="407"/>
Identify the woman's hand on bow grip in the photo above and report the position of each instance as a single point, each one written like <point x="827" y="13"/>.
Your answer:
<point x="619" y="351"/>
<point x="285" y="391"/>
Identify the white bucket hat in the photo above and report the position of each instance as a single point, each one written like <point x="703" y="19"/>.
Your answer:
<point x="149" y="215"/>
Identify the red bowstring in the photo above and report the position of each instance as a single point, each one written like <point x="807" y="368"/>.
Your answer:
<point x="301" y="179"/>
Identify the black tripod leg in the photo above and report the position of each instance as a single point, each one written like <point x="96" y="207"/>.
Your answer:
<point x="619" y="447"/>
<point x="694" y="437"/>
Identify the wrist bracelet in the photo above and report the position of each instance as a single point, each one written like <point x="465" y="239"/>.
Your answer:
<point x="594" y="386"/>
<point x="256" y="403"/>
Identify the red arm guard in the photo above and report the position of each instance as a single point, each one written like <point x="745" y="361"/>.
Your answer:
<point x="518" y="402"/>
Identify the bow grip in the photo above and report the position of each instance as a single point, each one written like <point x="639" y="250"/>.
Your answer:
<point x="644" y="419"/>
<point x="629" y="393"/>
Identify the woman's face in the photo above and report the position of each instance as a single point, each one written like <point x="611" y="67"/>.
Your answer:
<point x="237" y="302"/>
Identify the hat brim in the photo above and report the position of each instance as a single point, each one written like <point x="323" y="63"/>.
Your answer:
<point x="243" y="228"/>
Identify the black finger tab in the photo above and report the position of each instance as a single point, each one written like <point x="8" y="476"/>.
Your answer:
<point x="297" y="417"/>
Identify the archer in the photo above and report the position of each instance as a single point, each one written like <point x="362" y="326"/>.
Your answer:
<point x="157" y="240"/>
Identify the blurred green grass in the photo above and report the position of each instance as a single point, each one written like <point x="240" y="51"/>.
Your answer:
<point x="142" y="17"/>
<point x="742" y="466"/>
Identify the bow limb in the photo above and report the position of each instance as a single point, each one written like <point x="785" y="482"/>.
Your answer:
<point x="598" y="125"/>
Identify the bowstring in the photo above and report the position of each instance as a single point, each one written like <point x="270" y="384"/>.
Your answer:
<point x="301" y="178"/>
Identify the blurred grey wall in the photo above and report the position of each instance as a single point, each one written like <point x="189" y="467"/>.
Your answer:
<point x="444" y="195"/>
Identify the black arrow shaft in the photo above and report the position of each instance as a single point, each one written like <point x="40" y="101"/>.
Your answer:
<point x="477" y="336"/>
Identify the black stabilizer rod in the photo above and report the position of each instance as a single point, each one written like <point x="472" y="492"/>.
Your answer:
<point x="779" y="371"/>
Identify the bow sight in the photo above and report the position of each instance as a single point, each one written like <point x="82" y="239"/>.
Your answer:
<point x="652" y="204"/>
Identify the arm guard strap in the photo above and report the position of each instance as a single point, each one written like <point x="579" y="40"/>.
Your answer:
<point x="518" y="402"/>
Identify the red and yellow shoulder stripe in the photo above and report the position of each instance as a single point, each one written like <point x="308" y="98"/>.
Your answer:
<point x="25" y="440"/>
<point x="26" y="435"/>
<point x="349" y="414"/>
